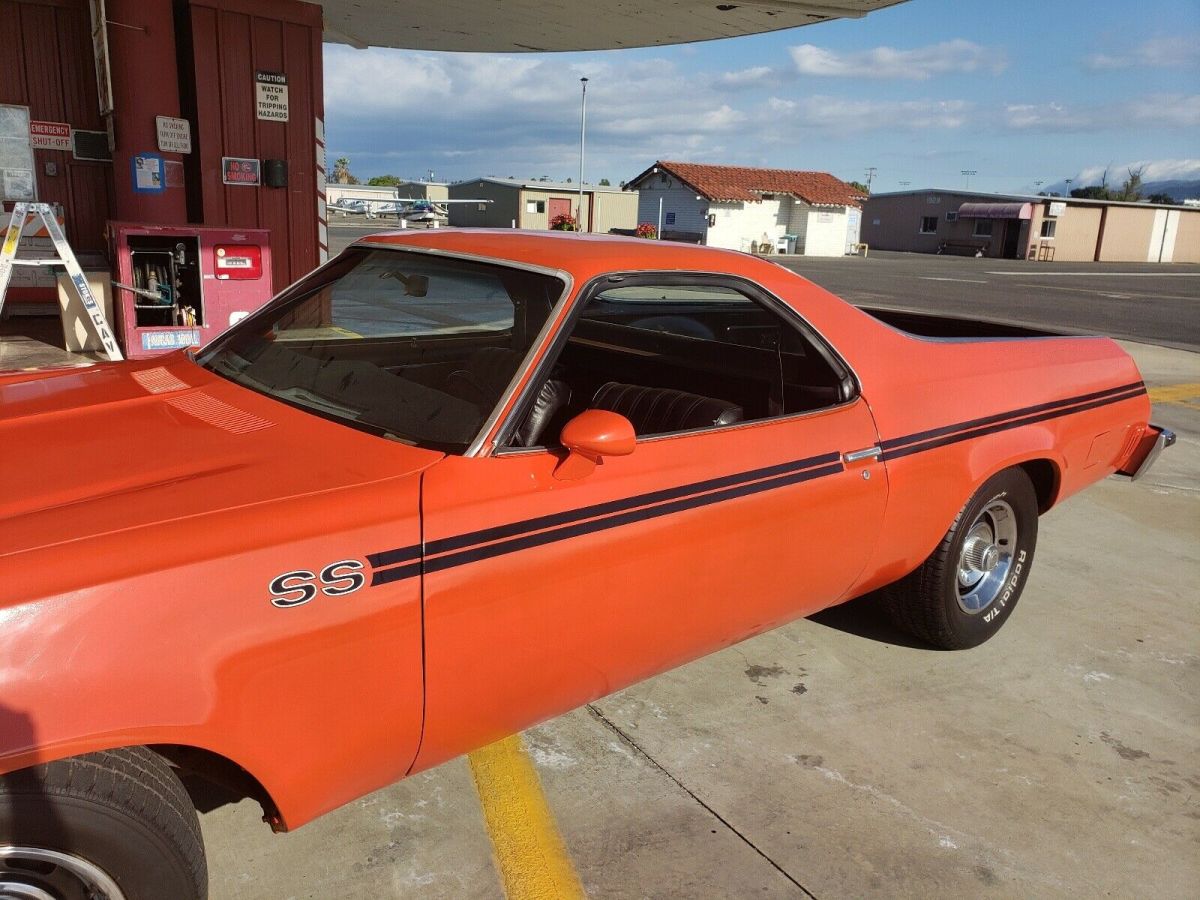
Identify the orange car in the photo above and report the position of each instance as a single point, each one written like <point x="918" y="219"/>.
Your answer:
<point x="454" y="483"/>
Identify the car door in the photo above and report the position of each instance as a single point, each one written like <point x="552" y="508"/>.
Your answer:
<point x="542" y="593"/>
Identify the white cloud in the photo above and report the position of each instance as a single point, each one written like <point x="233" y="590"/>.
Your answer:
<point x="1152" y="111"/>
<point x="918" y="64"/>
<point x="1152" y="170"/>
<point x="857" y="115"/>
<point x="1173" y="52"/>
<point x="751" y="77"/>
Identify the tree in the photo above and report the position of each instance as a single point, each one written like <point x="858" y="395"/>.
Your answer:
<point x="388" y="180"/>
<point x="604" y="182"/>
<point x="1092" y="192"/>
<point x="858" y="186"/>
<point x="341" y="170"/>
<point x="1131" y="188"/>
<point x="1160" y="197"/>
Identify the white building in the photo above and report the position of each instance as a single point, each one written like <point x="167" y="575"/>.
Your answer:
<point x="754" y="210"/>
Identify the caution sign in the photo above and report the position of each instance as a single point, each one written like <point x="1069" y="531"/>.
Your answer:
<point x="235" y="170"/>
<point x="271" y="94"/>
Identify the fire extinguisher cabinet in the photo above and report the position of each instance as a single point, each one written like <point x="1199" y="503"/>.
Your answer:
<point x="181" y="286"/>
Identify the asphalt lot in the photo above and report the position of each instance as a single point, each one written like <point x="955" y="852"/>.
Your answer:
<point x="1154" y="304"/>
<point x="833" y="757"/>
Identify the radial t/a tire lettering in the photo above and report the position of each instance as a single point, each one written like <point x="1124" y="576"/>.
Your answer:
<point x="967" y="588"/>
<point x="116" y="824"/>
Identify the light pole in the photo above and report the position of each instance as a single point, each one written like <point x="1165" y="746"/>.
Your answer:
<point x="967" y="173"/>
<point x="582" y="139"/>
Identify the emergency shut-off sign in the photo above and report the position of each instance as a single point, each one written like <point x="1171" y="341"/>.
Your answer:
<point x="272" y="96"/>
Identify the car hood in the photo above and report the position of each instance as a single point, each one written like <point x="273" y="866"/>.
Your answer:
<point x="90" y="451"/>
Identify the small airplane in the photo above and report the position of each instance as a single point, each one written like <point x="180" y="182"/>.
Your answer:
<point x="353" y="207"/>
<point x="424" y="211"/>
<point x="418" y="210"/>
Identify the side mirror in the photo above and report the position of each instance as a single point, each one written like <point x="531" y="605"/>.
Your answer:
<point x="589" y="437"/>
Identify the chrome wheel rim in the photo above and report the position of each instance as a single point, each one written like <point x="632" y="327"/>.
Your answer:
<point x="35" y="873"/>
<point x="986" y="558"/>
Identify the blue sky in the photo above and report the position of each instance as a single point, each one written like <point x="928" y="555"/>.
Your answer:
<point x="1019" y="92"/>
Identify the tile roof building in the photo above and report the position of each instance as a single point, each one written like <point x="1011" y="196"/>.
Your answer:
<point x="743" y="208"/>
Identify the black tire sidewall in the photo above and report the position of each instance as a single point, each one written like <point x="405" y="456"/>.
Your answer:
<point x="144" y="864"/>
<point x="967" y="629"/>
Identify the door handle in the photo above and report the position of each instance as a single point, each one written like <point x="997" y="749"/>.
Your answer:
<point x="860" y="455"/>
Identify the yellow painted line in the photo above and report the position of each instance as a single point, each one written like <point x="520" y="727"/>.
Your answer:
<point x="529" y="851"/>
<point x="1183" y="394"/>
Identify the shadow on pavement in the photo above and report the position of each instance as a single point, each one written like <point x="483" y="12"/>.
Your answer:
<point x="867" y="618"/>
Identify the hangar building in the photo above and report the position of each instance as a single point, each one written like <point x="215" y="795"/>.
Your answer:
<point x="534" y="204"/>
<point x="1018" y="226"/>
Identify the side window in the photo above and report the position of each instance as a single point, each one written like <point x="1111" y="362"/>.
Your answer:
<point x="678" y="356"/>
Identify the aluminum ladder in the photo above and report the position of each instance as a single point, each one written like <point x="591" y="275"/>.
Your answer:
<point x="64" y="257"/>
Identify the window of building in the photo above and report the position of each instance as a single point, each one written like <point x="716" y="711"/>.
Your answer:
<point x="951" y="217"/>
<point x="669" y="219"/>
<point x="929" y="224"/>
<point x="983" y="228"/>
<point x="481" y="207"/>
<point x="535" y="206"/>
<point x="1048" y="227"/>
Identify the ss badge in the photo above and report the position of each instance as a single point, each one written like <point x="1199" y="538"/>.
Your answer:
<point x="298" y="587"/>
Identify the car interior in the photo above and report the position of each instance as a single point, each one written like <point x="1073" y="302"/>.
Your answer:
<point x="681" y="357"/>
<point x="422" y="350"/>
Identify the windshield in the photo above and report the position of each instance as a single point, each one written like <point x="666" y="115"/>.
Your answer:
<point x="409" y="345"/>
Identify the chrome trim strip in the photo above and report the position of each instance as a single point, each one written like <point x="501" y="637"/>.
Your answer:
<point x="1165" y="439"/>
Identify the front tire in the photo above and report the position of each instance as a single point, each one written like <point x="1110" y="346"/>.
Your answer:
<point x="967" y="588"/>
<point x="116" y="825"/>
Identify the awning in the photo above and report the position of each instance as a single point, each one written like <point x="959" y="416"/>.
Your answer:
<point x="996" y="211"/>
<point x="517" y="26"/>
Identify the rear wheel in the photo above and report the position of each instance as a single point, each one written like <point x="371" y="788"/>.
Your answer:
<point x="115" y="825"/>
<point x="966" y="590"/>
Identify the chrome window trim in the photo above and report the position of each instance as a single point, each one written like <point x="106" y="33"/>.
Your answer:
<point x="692" y="432"/>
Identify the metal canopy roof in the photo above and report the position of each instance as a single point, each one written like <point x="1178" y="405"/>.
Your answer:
<point x="996" y="211"/>
<point x="518" y="26"/>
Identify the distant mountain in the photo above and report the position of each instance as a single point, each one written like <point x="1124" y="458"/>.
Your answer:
<point x="1177" y="189"/>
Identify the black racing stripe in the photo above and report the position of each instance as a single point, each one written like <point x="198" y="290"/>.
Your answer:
<point x="626" y="518"/>
<point x="391" y="557"/>
<point x="500" y="532"/>
<point x="1000" y="417"/>
<point x="387" y="576"/>
<point x="1028" y="420"/>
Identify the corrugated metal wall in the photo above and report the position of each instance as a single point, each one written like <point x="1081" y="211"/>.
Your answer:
<point x="232" y="40"/>
<point x="46" y="64"/>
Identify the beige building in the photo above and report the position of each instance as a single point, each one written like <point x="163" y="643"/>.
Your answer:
<point x="1014" y="226"/>
<point x="534" y="204"/>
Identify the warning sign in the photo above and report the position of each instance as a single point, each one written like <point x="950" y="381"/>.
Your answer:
<point x="235" y="170"/>
<point x="174" y="135"/>
<point x="50" y="135"/>
<point x="272" y="96"/>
